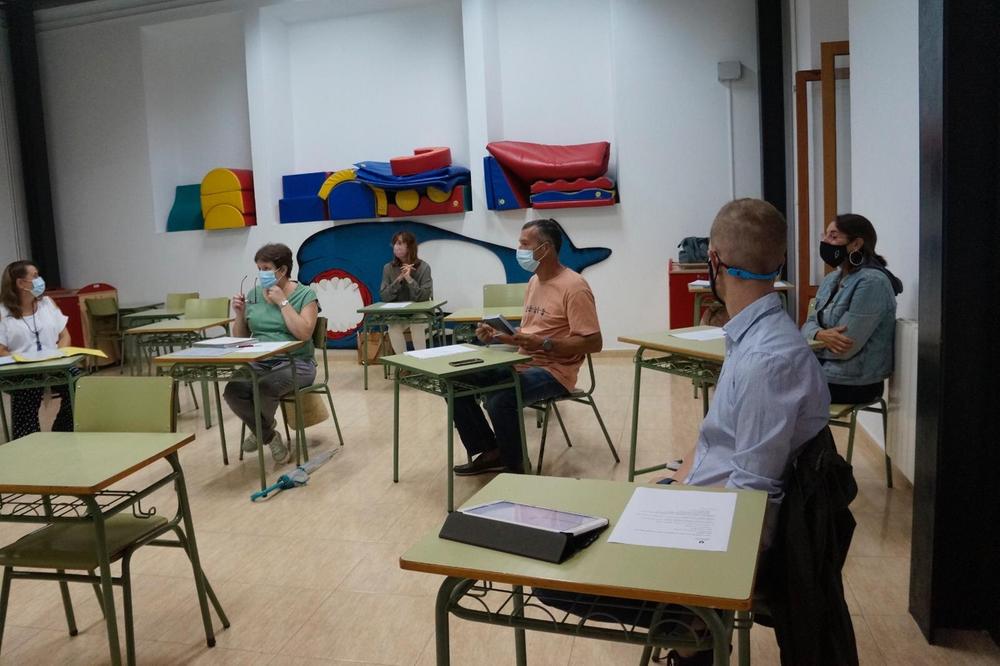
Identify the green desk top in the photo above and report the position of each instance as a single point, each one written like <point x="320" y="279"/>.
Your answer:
<point x="471" y="315"/>
<point x="702" y="578"/>
<point x="417" y="307"/>
<point x="179" y="326"/>
<point x="13" y="369"/>
<point x="157" y="313"/>
<point x="709" y="350"/>
<point x="440" y="366"/>
<point x="235" y="356"/>
<point x="80" y="463"/>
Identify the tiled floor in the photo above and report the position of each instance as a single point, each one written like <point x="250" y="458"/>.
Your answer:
<point x="311" y="576"/>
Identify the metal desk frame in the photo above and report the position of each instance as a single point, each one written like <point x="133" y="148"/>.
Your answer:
<point x="42" y="374"/>
<point x="377" y="317"/>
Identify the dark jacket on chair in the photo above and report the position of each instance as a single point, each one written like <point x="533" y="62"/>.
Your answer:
<point x="801" y="577"/>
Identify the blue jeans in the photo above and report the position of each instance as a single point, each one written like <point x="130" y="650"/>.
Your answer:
<point x="477" y="436"/>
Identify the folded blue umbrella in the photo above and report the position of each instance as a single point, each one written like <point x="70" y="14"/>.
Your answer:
<point x="297" y="477"/>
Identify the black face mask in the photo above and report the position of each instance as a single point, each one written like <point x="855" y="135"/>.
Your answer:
<point x="712" y="275"/>
<point x="832" y="255"/>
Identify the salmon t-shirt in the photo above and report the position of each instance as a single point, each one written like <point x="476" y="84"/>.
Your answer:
<point x="560" y="307"/>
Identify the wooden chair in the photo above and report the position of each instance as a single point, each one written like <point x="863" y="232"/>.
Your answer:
<point x="104" y="404"/>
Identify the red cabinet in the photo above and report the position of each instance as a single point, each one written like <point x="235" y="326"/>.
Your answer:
<point x="681" y="301"/>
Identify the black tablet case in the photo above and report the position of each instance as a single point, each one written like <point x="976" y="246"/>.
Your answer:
<point x="530" y="542"/>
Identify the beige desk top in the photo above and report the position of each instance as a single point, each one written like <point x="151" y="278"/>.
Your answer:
<point x="441" y="366"/>
<point x="179" y="326"/>
<point x="235" y="356"/>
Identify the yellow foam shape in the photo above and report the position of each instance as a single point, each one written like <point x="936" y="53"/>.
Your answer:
<point x="234" y="199"/>
<point x="381" y="202"/>
<point x="438" y="196"/>
<point x="224" y="217"/>
<point x="221" y="180"/>
<point x="407" y="200"/>
<point x="334" y="179"/>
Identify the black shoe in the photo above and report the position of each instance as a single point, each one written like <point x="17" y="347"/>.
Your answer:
<point x="703" y="658"/>
<point x="481" y="465"/>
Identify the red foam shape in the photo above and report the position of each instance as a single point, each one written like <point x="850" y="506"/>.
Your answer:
<point x="563" y="185"/>
<point x="455" y="204"/>
<point x="538" y="161"/>
<point x="422" y="159"/>
<point x="589" y="203"/>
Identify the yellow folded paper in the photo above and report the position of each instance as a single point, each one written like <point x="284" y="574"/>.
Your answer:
<point x="62" y="352"/>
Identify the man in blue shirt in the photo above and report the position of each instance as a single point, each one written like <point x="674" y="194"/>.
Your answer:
<point x="771" y="397"/>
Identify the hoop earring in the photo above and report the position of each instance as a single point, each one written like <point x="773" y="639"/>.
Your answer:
<point x="860" y="261"/>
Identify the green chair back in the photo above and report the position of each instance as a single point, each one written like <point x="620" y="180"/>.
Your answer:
<point x="124" y="404"/>
<point x="176" y="301"/>
<point x="504" y="295"/>
<point x="319" y="342"/>
<point x="206" y="308"/>
<point x="102" y="307"/>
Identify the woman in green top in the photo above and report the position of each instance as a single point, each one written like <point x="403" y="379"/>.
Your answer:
<point x="406" y="278"/>
<point x="277" y="309"/>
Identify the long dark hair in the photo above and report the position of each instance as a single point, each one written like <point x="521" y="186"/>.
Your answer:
<point x="411" y="246"/>
<point x="858" y="226"/>
<point x="9" y="295"/>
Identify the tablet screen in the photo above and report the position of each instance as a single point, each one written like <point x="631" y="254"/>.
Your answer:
<point x="533" y="516"/>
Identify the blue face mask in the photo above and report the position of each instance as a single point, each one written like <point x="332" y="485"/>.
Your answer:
<point x="37" y="287"/>
<point x="267" y="279"/>
<point x="526" y="259"/>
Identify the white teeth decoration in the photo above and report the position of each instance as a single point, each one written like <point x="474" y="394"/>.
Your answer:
<point x="339" y="299"/>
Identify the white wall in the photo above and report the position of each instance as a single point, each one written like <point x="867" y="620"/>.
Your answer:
<point x="13" y="219"/>
<point x="640" y="73"/>
<point x="885" y="141"/>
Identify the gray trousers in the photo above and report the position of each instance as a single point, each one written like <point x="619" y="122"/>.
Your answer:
<point x="276" y="384"/>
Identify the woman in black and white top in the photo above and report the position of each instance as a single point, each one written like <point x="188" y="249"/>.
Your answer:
<point x="31" y="322"/>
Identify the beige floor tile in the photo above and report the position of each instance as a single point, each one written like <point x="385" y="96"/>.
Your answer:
<point x="475" y="644"/>
<point x="868" y="651"/>
<point x="880" y="584"/>
<point x="378" y="572"/>
<point x="58" y="647"/>
<point x="900" y="641"/>
<point x="13" y="638"/>
<point x="384" y="628"/>
<point x="317" y="563"/>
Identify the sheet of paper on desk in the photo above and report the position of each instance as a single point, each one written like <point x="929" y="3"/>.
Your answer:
<point x="700" y="283"/>
<point x="705" y="334"/>
<point x="395" y="306"/>
<point x="260" y="347"/>
<point x="781" y="284"/>
<point x="689" y="519"/>
<point x="202" y="352"/>
<point x="435" y="352"/>
<point x="7" y="360"/>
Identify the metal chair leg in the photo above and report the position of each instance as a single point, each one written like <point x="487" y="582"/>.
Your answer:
<point x="884" y="411"/>
<point x="545" y="432"/>
<point x="127" y="604"/>
<point x="607" y="437"/>
<point x="208" y="586"/>
<point x="98" y="594"/>
<point x="67" y="605"/>
<point x="4" y="598"/>
<point x="850" y="434"/>
<point x="336" y="423"/>
<point x="562" y="425"/>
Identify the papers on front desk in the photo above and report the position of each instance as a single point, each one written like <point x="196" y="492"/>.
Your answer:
<point x="689" y="519"/>
<point x="201" y="352"/>
<point x="395" y="306"/>
<point x="435" y="352"/>
<point x="7" y="360"/>
<point x="700" y="283"/>
<point x="702" y="335"/>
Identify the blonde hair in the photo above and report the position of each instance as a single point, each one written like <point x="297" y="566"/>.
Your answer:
<point x="750" y="234"/>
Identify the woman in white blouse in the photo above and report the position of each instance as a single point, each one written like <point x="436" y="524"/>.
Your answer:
<point x="31" y="322"/>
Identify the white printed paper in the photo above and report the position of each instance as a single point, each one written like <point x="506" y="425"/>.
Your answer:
<point x="7" y="360"/>
<point x="224" y="341"/>
<point x="260" y="347"/>
<point x="435" y="352"/>
<point x="704" y="334"/>
<point x="688" y="519"/>
<point x="201" y="352"/>
<point x="781" y="284"/>
<point x="395" y="306"/>
<point x="700" y="283"/>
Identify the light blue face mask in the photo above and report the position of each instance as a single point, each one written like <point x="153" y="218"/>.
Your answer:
<point x="37" y="287"/>
<point x="526" y="259"/>
<point x="267" y="279"/>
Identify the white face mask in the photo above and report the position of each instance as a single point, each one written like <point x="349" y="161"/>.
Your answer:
<point x="526" y="259"/>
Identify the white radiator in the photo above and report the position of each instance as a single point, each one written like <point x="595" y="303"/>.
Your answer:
<point x="902" y="402"/>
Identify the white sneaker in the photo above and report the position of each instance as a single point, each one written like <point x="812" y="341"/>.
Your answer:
<point x="250" y="443"/>
<point x="278" y="449"/>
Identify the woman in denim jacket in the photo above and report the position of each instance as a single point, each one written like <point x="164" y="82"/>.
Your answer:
<point x="855" y="313"/>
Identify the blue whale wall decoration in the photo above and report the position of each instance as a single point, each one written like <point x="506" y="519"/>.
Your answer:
<point x="357" y="252"/>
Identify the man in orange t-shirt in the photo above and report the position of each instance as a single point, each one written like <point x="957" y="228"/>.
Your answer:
<point x="558" y="330"/>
